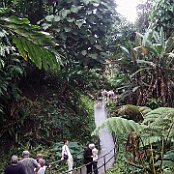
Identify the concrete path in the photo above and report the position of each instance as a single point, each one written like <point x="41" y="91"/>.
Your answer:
<point x="106" y="141"/>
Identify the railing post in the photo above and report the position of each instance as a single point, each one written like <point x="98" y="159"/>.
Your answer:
<point x="104" y="164"/>
<point x="80" y="170"/>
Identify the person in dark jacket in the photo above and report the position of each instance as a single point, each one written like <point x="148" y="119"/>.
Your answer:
<point x="14" y="167"/>
<point x="88" y="159"/>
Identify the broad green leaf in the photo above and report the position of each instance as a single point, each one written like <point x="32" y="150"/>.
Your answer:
<point x="30" y="33"/>
<point x="42" y="57"/>
<point x="16" y="20"/>
<point x="84" y="52"/>
<point x="169" y="45"/>
<point x="70" y="19"/>
<point x="74" y="9"/>
<point x="98" y="47"/>
<point x="93" y="56"/>
<point x="49" y="18"/>
<point x="64" y="13"/>
<point x="79" y="22"/>
<point x="67" y="29"/>
<point x="56" y="18"/>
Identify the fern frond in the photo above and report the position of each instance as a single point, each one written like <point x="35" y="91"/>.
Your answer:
<point x="161" y="120"/>
<point x="119" y="126"/>
<point x="146" y="139"/>
<point x="144" y="110"/>
<point x="158" y="114"/>
<point x="169" y="155"/>
<point x="162" y="111"/>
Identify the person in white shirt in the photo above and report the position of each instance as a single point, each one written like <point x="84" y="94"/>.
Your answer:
<point x="95" y="158"/>
<point x="43" y="166"/>
<point x="67" y="154"/>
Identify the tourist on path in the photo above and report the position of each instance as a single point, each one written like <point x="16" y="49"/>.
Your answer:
<point x="31" y="165"/>
<point x="88" y="159"/>
<point x="66" y="153"/>
<point x="14" y="167"/>
<point x="95" y="158"/>
<point x="43" y="166"/>
<point x="40" y="156"/>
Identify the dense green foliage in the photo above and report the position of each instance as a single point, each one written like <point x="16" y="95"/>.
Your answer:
<point x="151" y="75"/>
<point x="55" y="56"/>
<point x="162" y="16"/>
<point x="80" y="28"/>
<point x="42" y="107"/>
<point x="156" y="128"/>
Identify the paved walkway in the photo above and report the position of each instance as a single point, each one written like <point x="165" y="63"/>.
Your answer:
<point x="106" y="139"/>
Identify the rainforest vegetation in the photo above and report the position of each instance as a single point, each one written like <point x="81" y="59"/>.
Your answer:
<point x="55" y="57"/>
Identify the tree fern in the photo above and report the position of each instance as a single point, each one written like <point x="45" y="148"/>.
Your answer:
<point x="157" y="123"/>
<point x="144" y="110"/>
<point x="119" y="126"/>
<point x="161" y="119"/>
<point x="156" y="129"/>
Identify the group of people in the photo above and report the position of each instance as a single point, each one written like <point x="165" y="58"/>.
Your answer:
<point x="27" y="165"/>
<point x="90" y="158"/>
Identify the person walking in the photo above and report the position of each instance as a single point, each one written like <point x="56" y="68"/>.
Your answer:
<point x="14" y="167"/>
<point x="43" y="166"/>
<point x="31" y="165"/>
<point x="66" y="155"/>
<point x="95" y="158"/>
<point x="88" y="159"/>
<point x="40" y="156"/>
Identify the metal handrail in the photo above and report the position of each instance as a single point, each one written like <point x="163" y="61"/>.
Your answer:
<point x="105" y="162"/>
<point x="59" y="161"/>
